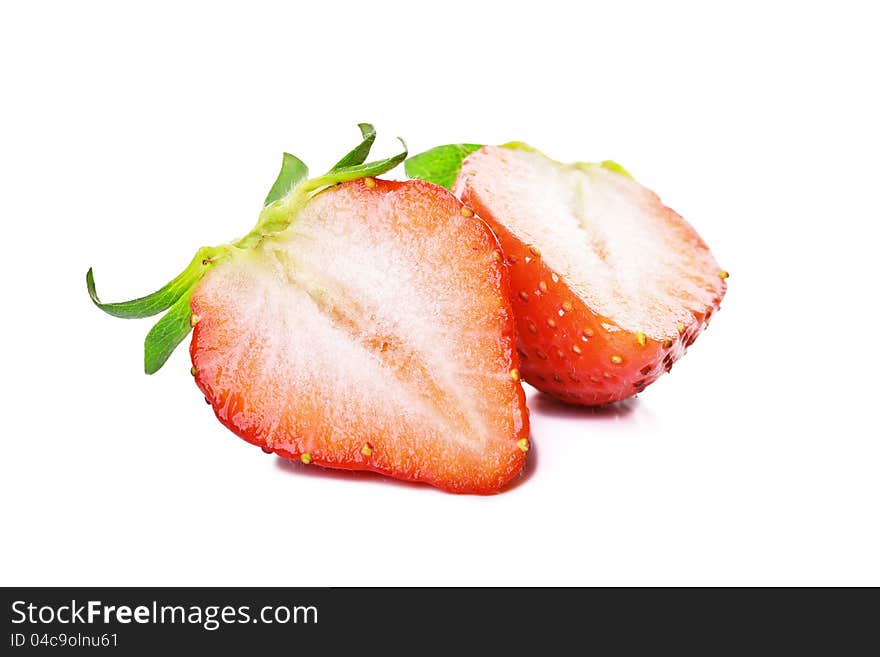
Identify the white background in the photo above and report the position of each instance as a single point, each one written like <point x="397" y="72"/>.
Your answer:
<point x="132" y="136"/>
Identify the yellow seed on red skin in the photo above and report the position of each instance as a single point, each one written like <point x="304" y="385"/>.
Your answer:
<point x="466" y="212"/>
<point x="680" y="327"/>
<point x="535" y="251"/>
<point x="192" y="370"/>
<point x="524" y="295"/>
<point x="617" y="360"/>
<point x="576" y="349"/>
<point x="667" y="343"/>
<point x="514" y="374"/>
<point x="532" y="327"/>
<point x="367" y="450"/>
<point x="607" y="375"/>
<point x="368" y="182"/>
<point x="566" y="306"/>
<point x="594" y="379"/>
<point x="523" y="444"/>
<point x="723" y="274"/>
<point x="588" y="333"/>
<point x="641" y="338"/>
<point x="496" y="255"/>
<point x="306" y="458"/>
<point x="194" y="319"/>
<point x="551" y="322"/>
<point x="542" y="286"/>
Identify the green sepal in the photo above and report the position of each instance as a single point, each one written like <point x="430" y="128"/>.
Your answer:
<point x="611" y="165"/>
<point x="354" y="171"/>
<point x="154" y="303"/>
<point x="440" y="165"/>
<point x="359" y="153"/>
<point x="167" y="333"/>
<point x="293" y="172"/>
<point x="521" y="146"/>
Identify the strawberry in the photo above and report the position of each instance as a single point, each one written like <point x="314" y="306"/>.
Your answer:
<point x="609" y="286"/>
<point x="363" y="325"/>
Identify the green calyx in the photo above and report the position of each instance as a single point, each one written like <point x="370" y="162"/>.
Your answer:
<point x="288" y="195"/>
<point x="442" y="164"/>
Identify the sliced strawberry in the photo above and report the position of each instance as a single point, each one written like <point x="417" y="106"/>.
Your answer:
<point x="609" y="286"/>
<point x="374" y="333"/>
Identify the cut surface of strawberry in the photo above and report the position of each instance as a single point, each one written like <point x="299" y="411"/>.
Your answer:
<point x="374" y="333"/>
<point x="609" y="285"/>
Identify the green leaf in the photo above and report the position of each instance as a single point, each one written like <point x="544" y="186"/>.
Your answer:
<point x="440" y="165"/>
<point x="356" y="171"/>
<point x="293" y="171"/>
<point x="167" y="333"/>
<point x="360" y="152"/>
<point x="163" y="298"/>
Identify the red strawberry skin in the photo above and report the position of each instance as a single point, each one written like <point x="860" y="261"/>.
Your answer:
<point x="377" y="335"/>
<point x="568" y="350"/>
<point x="571" y="354"/>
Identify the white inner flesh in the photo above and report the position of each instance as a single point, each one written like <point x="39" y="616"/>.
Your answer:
<point x="605" y="234"/>
<point x="306" y="360"/>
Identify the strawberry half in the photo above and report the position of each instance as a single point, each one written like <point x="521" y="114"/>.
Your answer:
<point x="609" y="286"/>
<point x="375" y="334"/>
<point x="364" y="325"/>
